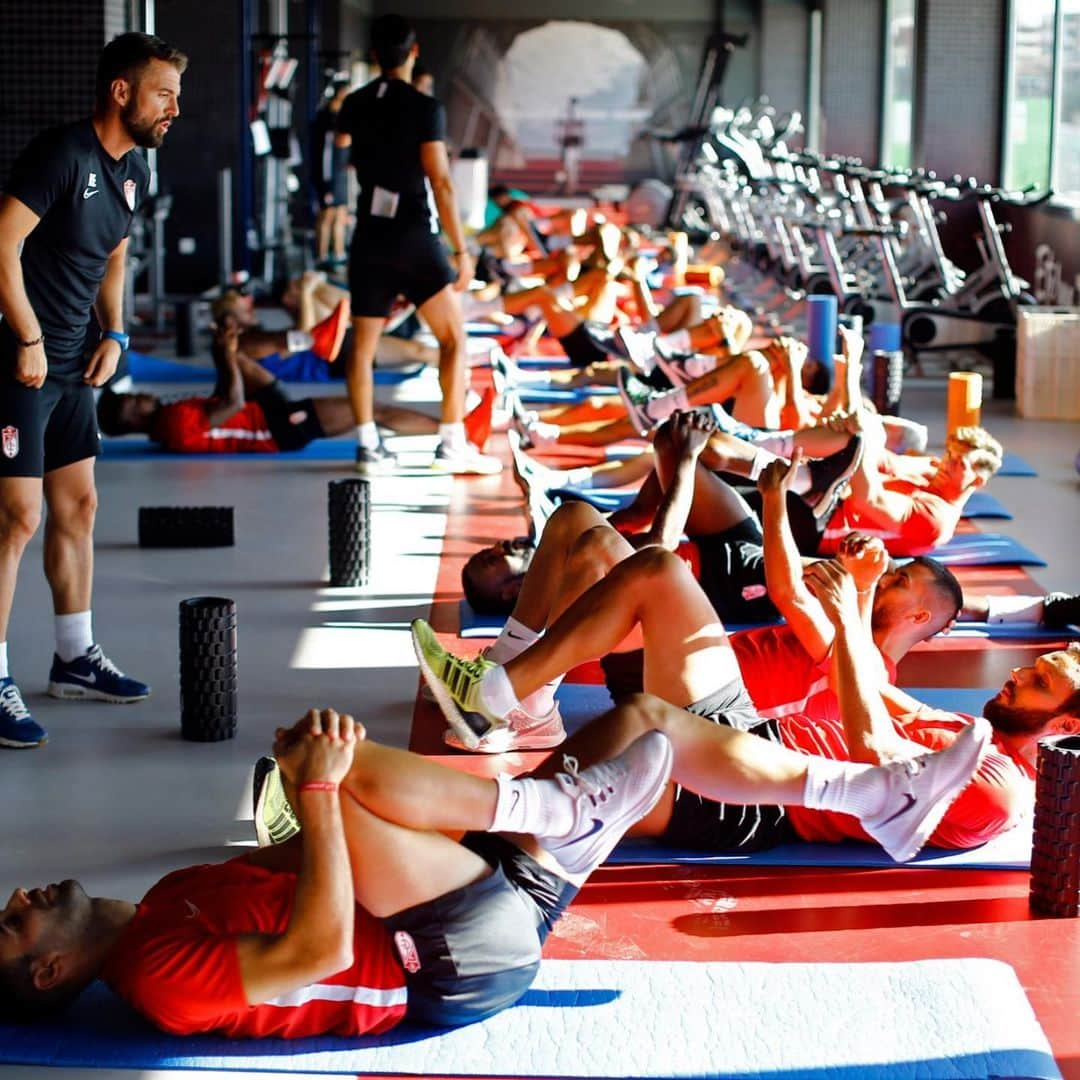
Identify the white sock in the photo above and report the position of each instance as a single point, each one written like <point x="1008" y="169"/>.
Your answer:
<point x="297" y="340"/>
<point x="581" y="475"/>
<point x="677" y="341"/>
<point x="660" y="408"/>
<point x="541" y="702"/>
<point x="4" y="673"/>
<point x="496" y="692"/>
<point x="514" y="638"/>
<point x="803" y="480"/>
<point x="699" y="364"/>
<point x="845" y="786"/>
<point x="539" y="807"/>
<point x="475" y="308"/>
<point x="74" y="635"/>
<point x="762" y="458"/>
<point x="367" y="435"/>
<point x="452" y="436"/>
<point x="781" y="443"/>
<point x="1014" y="609"/>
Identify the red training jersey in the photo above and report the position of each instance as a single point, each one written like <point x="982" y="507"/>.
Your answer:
<point x="1000" y="792"/>
<point x="184" y="426"/>
<point x="930" y="520"/>
<point x="177" y="962"/>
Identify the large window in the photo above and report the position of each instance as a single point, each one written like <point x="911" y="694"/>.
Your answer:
<point x="899" y="84"/>
<point x="1042" y="132"/>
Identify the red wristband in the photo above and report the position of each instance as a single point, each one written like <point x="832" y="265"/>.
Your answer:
<point x="318" y="785"/>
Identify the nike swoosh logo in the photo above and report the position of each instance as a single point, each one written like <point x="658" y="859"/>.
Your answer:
<point x="90" y="192"/>
<point x="903" y="809"/>
<point x="192" y="908"/>
<point x="88" y="679"/>
<point x="597" y="825"/>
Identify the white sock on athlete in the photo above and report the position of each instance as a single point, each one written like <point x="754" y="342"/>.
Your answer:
<point x="74" y="635"/>
<point x="297" y="340"/>
<point x="677" y="341"/>
<point x="844" y="786"/>
<point x="514" y="638"/>
<point x="452" y="436"/>
<point x="496" y="692"/>
<point x="4" y="673"/>
<point x="763" y="457"/>
<point x="531" y="806"/>
<point x="367" y="435"/>
<point x="1014" y="609"/>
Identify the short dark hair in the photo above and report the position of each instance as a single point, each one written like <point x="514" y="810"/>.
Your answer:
<point x="392" y="39"/>
<point x="498" y="191"/>
<point x="127" y="56"/>
<point x="480" y="600"/>
<point x="23" y="1002"/>
<point x="945" y="585"/>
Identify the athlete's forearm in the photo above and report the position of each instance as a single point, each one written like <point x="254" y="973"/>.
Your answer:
<point x="109" y="303"/>
<point x="15" y="305"/>
<point x="674" y="509"/>
<point x="443" y="190"/>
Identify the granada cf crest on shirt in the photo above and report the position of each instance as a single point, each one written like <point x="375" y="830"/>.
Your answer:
<point x="129" y="193"/>
<point x="11" y="441"/>
<point x="406" y="947"/>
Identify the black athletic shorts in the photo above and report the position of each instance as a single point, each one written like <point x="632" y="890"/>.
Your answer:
<point x="589" y="343"/>
<point x="472" y="952"/>
<point x="733" y="574"/>
<point x="43" y="430"/>
<point x="292" y="423"/>
<point x="700" y="823"/>
<point x="416" y="267"/>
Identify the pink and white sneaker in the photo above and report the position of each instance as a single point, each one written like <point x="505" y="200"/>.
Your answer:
<point x="524" y="732"/>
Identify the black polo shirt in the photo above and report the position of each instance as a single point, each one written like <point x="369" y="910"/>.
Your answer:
<point x="388" y="120"/>
<point x="86" y="201"/>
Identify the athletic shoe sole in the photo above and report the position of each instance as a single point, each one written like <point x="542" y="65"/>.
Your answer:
<point x="507" y="740"/>
<point x="443" y="698"/>
<point x="381" y="468"/>
<point x="75" y="692"/>
<point x="12" y="744"/>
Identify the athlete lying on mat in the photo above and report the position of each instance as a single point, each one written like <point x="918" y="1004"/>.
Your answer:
<point x="370" y="914"/>
<point x="247" y="413"/>
<point x="690" y="661"/>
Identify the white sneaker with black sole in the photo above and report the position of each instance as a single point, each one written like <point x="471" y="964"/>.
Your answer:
<point x="465" y="461"/>
<point x="375" y="460"/>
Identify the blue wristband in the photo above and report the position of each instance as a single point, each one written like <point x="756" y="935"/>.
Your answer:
<point x="122" y="339"/>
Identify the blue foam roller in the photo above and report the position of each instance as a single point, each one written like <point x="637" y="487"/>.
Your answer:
<point x="884" y="337"/>
<point x="821" y="319"/>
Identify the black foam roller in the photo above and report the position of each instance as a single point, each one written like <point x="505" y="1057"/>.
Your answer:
<point x="887" y="382"/>
<point x="208" y="672"/>
<point x="186" y="526"/>
<point x="1055" y="849"/>
<point x="349" y="532"/>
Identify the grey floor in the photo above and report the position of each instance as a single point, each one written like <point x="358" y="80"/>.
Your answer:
<point x="117" y="799"/>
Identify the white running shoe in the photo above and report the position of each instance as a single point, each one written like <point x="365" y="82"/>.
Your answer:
<point x="608" y="798"/>
<point x="465" y="461"/>
<point x="639" y="346"/>
<point x="922" y="789"/>
<point x="524" y="732"/>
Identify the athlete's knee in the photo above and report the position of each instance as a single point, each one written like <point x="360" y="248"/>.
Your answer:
<point x="754" y="365"/>
<point x="75" y="513"/>
<point x="571" y="520"/>
<point x="640" y="713"/>
<point x="595" y="552"/>
<point x="19" y="520"/>
<point x="653" y="568"/>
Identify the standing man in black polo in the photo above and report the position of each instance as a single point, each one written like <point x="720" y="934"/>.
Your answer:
<point x="398" y="141"/>
<point x="69" y="204"/>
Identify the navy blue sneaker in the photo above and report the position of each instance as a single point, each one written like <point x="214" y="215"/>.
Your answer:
<point x="17" y="727"/>
<point x="93" y="675"/>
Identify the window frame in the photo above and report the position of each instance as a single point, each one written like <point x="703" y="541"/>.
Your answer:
<point x="888" y="69"/>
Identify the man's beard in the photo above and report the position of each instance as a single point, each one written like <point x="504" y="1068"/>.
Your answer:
<point x="143" y="133"/>
<point x="1010" y="720"/>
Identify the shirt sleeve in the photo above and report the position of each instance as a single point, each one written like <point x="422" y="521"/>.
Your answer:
<point x="43" y="174"/>
<point x="434" y="123"/>
<point x="344" y="124"/>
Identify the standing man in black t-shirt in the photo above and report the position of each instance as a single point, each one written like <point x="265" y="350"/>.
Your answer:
<point x="330" y="178"/>
<point x="397" y="137"/>
<point x="69" y="203"/>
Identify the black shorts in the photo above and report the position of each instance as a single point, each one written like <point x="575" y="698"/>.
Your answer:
<point x="416" y="267"/>
<point x="733" y="574"/>
<point x="589" y="343"/>
<point x="472" y="952"/>
<point x="292" y="423"/>
<point x="700" y="823"/>
<point x="44" y="430"/>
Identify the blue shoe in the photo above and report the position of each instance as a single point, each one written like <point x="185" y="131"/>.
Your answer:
<point x="94" y="676"/>
<point x="17" y="727"/>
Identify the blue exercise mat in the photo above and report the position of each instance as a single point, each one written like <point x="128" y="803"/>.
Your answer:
<point x="542" y="361"/>
<point x="982" y="504"/>
<point x="297" y="367"/>
<point x="1006" y="631"/>
<point x="559" y="395"/>
<point x="1014" y="465"/>
<point x="601" y="1018"/>
<point x="985" y="549"/>
<point x="139" y="448"/>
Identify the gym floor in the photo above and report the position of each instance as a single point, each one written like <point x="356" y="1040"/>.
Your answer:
<point x="116" y="799"/>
